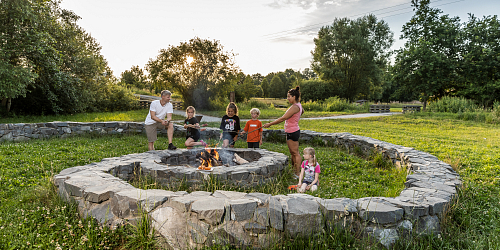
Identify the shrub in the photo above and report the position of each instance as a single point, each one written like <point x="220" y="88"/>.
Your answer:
<point x="255" y="104"/>
<point x="118" y="98"/>
<point x="496" y="111"/>
<point x="336" y="104"/>
<point x="312" y="106"/>
<point x="453" y="105"/>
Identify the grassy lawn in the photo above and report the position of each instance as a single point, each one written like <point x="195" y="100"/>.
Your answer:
<point x="133" y="115"/>
<point x="32" y="216"/>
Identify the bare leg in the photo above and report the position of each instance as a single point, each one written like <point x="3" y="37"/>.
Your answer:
<point x="293" y="147"/>
<point x="170" y="132"/>
<point x="302" y="188"/>
<point x="314" y="188"/>
<point x="225" y="143"/>
<point x="151" y="146"/>
<point x="190" y="143"/>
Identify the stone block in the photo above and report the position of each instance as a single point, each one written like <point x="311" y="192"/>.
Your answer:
<point x="126" y="203"/>
<point x="229" y="194"/>
<point x="261" y="216"/>
<point x="260" y="198"/>
<point x="304" y="217"/>
<point x="376" y="211"/>
<point x="436" y="205"/>
<point x="100" y="193"/>
<point x="275" y="212"/>
<point x="242" y="209"/>
<point x="255" y="228"/>
<point x="210" y="209"/>
<point x="428" y="225"/>
<point x="171" y="224"/>
<point x="230" y="232"/>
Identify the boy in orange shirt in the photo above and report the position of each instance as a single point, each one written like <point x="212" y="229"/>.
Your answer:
<point x="254" y="130"/>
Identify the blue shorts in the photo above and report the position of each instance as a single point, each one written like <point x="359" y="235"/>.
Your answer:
<point x="229" y="137"/>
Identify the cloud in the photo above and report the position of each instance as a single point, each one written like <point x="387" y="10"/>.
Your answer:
<point x="308" y="4"/>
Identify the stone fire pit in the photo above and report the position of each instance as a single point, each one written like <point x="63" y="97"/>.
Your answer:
<point x="178" y="165"/>
<point x="191" y="220"/>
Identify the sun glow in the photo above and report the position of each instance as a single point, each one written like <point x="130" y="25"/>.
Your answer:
<point x="189" y="59"/>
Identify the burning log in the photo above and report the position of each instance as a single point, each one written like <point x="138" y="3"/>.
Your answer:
<point x="208" y="159"/>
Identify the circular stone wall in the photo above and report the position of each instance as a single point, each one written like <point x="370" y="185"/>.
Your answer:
<point x="190" y="220"/>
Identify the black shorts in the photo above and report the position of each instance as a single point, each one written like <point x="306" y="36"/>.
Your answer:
<point x="293" y="136"/>
<point x="195" y="136"/>
<point x="253" y="144"/>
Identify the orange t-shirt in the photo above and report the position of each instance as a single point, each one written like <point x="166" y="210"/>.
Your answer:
<point x="252" y="126"/>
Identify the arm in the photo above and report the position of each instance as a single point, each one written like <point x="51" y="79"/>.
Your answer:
<point x="316" y="177"/>
<point x="291" y="111"/>
<point x="155" y="118"/>
<point x="301" y="177"/>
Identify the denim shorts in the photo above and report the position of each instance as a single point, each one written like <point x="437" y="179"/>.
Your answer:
<point x="229" y="137"/>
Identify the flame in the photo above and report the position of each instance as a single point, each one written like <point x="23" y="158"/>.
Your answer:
<point x="216" y="154"/>
<point x="205" y="165"/>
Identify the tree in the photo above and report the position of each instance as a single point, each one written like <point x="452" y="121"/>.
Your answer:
<point x="480" y="61"/>
<point x="308" y="74"/>
<point x="207" y="76"/>
<point x="48" y="64"/>
<point x="352" y="54"/>
<point x="427" y="64"/>
<point x="265" y="88"/>
<point x="246" y="89"/>
<point x="134" y="77"/>
<point x="276" y="87"/>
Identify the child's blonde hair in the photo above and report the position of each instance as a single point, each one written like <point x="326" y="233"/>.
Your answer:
<point x="310" y="151"/>
<point x="190" y="108"/>
<point x="256" y="110"/>
<point x="232" y="105"/>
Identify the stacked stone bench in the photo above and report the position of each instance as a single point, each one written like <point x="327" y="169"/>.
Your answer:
<point x="256" y="219"/>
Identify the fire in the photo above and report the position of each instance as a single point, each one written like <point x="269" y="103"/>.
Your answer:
<point x="208" y="159"/>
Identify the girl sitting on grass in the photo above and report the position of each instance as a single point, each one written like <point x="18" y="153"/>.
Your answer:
<point x="192" y="129"/>
<point x="309" y="173"/>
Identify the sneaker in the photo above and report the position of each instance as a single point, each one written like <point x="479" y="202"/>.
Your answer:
<point x="203" y="143"/>
<point x="171" y="147"/>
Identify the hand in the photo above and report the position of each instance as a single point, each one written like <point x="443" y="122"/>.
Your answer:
<point x="308" y="187"/>
<point x="267" y="125"/>
<point x="260" y="143"/>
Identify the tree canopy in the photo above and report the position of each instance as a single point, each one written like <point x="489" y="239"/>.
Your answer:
<point x="427" y="64"/>
<point x="207" y="76"/>
<point x="48" y="64"/>
<point x="352" y="54"/>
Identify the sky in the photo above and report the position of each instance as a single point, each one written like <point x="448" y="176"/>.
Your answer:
<point x="266" y="35"/>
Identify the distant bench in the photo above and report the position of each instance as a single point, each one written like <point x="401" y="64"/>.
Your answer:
<point x="147" y="103"/>
<point x="380" y="108"/>
<point x="411" y="108"/>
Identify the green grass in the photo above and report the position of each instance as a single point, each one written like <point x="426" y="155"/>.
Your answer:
<point x="133" y="115"/>
<point x="472" y="222"/>
<point x="342" y="175"/>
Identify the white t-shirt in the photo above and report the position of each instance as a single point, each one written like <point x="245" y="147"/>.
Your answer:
<point x="160" y="111"/>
